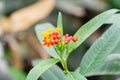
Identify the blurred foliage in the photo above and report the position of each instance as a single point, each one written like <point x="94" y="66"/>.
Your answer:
<point x="7" y="55"/>
<point x="17" y="74"/>
<point x="114" y="3"/>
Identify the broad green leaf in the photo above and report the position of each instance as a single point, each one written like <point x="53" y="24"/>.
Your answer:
<point x="44" y="27"/>
<point x="114" y="19"/>
<point x="117" y="49"/>
<point x="53" y="73"/>
<point x="59" y="23"/>
<point x="16" y="74"/>
<point x="87" y="29"/>
<point x="75" y="76"/>
<point x="100" y="49"/>
<point x="40" y="68"/>
<point x="35" y="62"/>
<point x="111" y="66"/>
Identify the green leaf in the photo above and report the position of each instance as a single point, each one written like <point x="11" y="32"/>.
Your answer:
<point x="75" y="76"/>
<point x="87" y="29"/>
<point x="16" y="74"/>
<point x="111" y="66"/>
<point x="44" y="27"/>
<point x="100" y="49"/>
<point x="117" y="49"/>
<point x="114" y="19"/>
<point x="40" y="68"/>
<point x="53" y="73"/>
<point x="59" y="23"/>
<point x="35" y="62"/>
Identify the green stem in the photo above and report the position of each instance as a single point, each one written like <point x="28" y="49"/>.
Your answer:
<point x="64" y="64"/>
<point x="66" y="68"/>
<point x="62" y="60"/>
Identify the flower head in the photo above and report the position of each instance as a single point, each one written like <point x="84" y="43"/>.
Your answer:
<point x="51" y="37"/>
<point x="54" y="38"/>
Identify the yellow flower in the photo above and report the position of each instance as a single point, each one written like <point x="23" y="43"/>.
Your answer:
<point x="45" y="34"/>
<point x="58" y="29"/>
<point x="49" y="30"/>
<point x="47" y="40"/>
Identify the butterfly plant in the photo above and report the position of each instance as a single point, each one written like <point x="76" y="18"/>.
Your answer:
<point x="98" y="60"/>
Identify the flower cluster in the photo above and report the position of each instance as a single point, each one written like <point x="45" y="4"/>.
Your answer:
<point x="66" y="38"/>
<point x="53" y="37"/>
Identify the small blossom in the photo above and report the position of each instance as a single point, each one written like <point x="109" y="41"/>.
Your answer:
<point x="66" y="38"/>
<point x="46" y="41"/>
<point x="54" y="36"/>
<point x="66" y="35"/>
<point x="55" y="33"/>
<point x="56" y="41"/>
<point x="58" y="36"/>
<point x="50" y="30"/>
<point x="58" y="29"/>
<point x="52" y="42"/>
<point x="45" y="34"/>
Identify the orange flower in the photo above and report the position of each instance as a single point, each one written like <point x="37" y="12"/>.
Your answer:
<point x="50" y="37"/>
<point x="53" y="37"/>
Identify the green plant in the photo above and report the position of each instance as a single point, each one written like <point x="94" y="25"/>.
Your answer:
<point x="94" y="59"/>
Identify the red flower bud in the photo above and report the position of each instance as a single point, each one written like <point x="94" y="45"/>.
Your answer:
<point x="52" y="42"/>
<point x="56" y="41"/>
<point x="54" y="36"/>
<point x="58" y="36"/>
<point x="55" y="33"/>
<point x="66" y="35"/>
<point x="74" y="38"/>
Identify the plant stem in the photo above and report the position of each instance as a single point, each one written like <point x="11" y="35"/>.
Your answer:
<point x="62" y="60"/>
<point x="64" y="64"/>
